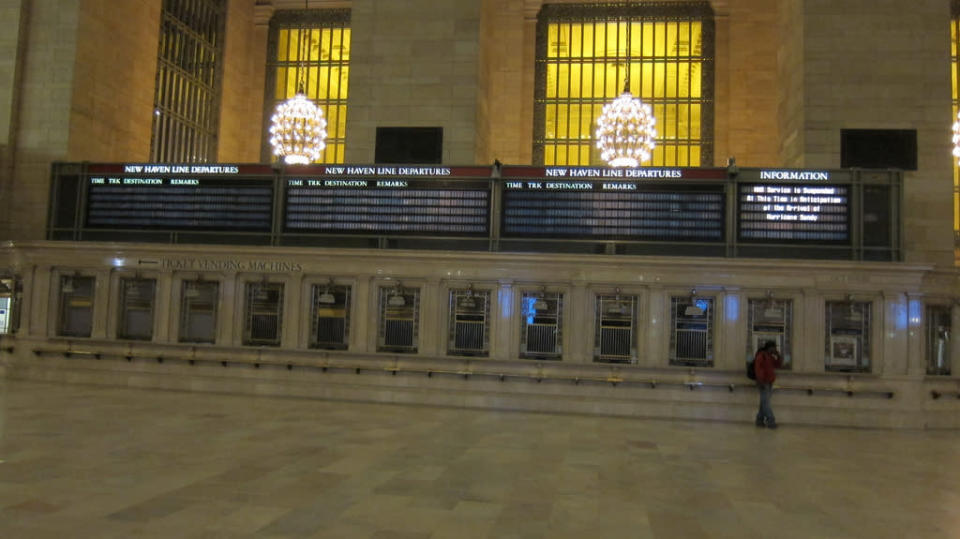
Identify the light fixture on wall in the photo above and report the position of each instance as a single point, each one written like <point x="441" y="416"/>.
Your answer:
<point x="298" y="129"/>
<point x="67" y="287"/>
<point x="396" y="298"/>
<point x="693" y="308"/>
<point x="541" y="304"/>
<point x="192" y="289"/>
<point x="327" y="297"/>
<point x="618" y="305"/>
<point x="466" y="300"/>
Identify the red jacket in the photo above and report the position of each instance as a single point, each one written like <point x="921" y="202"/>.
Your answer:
<point x="764" y="364"/>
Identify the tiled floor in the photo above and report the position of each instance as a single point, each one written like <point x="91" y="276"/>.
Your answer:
<point x="81" y="461"/>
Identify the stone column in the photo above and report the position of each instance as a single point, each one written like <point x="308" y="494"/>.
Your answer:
<point x="229" y="314"/>
<point x="164" y="298"/>
<point x="809" y="349"/>
<point x="504" y="345"/>
<point x="293" y="311"/>
<point x="654" y="353"/>
<point x="915" y="362"/>
<point x="578" y="325"/>
<point x="105" y="292"/>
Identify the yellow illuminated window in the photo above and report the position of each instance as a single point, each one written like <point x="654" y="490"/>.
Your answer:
<point x="587" y="52"/>
<point x="312" y="47"/>
<point x="955" y="78"/>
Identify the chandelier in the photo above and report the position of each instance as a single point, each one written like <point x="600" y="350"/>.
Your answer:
<point x="298" y="130"/>
<point x="297" y="127"/>
<point x="956" y="137"/>
<point x="626" y="130"/>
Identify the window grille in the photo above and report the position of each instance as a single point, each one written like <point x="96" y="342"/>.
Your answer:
<point x="615" y="335"/>
<point x="848" y="336"/>
<point x="263" y="314"/>
<point x="136" y="309"/>
<point x="691" y="335"/>
<point x="198" y="311"/>
<point x="186" y="114"/>
<point x="5" y="304"/>
<point x="10" y="297"/>
<point x="955" y="80"/>
<point x="331" y="317"/>
<point x="770" y="319"/>
<point x="939" y="326"/>
<point x="469" y="331"/>
<point x="313" y="46"/>
<point x="541" y="334"/>
<point x="585" y="53"/>
<point x="399" y="319"/>
<point x="76" y="306"/>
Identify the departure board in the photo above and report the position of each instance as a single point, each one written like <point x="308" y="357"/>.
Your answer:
<point x="395" y="206"/>
<point x="179" y="203"/>
<point x="814" y="213"/>
<point x="589" y="209"/>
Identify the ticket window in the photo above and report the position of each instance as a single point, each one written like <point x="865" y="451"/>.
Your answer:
<point x="541" y="334"/>
<point x="691" y="333"/>
<point x="770" y="319"/>
<point x="76" y="306"/>
<point x="263" y="314"/>
<point x="848" y="336"/>
<point x="399" y="327"/>
<point x="615" y="335"/>
<point x="330" y="327"/>
<point x="938" y="339"/>
<point x="198" y="311"/>
<point x="136" y="309"/>
<point x="469" y="331"/>
<point x="9" y="305"/>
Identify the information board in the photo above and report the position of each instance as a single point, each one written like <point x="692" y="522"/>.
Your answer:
<point x="432" y="207"/>
<point x="801" y="212"/>
<point x="179" y="203"/>
<point x="598" y="209"/>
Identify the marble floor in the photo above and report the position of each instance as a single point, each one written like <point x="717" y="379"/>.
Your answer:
<point x="83" y="461"/>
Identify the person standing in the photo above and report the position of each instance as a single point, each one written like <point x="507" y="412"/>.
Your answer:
<point x="765" y="363"/>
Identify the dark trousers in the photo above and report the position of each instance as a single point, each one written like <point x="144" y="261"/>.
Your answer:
<point x="765" y="413"/>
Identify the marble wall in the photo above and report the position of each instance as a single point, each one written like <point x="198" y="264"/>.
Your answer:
<point x="896" y="295"/>
<point x="414" y="63"/>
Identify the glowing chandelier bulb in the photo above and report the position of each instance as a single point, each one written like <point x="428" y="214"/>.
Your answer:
<point x="626" y="131"/>
<point x="956" y="138"/>
<point x="298" y="130"/>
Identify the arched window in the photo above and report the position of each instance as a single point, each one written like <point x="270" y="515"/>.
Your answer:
<point x="186" y="110"/>
<point x="313" y="47"/>
<point x="586" y="52"/>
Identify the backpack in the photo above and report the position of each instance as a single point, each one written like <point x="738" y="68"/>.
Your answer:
<point x="751" y="372"/>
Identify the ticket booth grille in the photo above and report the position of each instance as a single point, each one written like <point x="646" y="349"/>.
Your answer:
<point x="541" y="335"/>
<point x="691" y="335"/>
<point x="331" y="317"/>
<point x="469" y="333"/>
<point x="76" y="306"/>
<point x="938" y="339"/>
<point x="263" y="314"/>
<point x="136" y="309"/>
<point x="848" y="336"/>
<point x="398" y="330"/>
<point x="10" y="293"/>
<point x="770" y="319"/>
<point x="615" y="336"/>
<point x="198" y="311"/>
